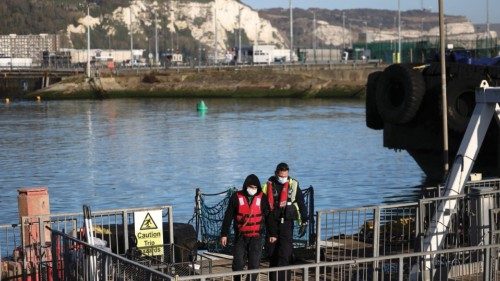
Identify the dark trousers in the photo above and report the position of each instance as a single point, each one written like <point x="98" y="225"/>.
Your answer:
<point x="247" y="247"/>
<point x="281" y="251"/>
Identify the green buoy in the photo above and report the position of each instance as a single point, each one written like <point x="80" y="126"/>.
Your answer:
<point x="201" y="106"/>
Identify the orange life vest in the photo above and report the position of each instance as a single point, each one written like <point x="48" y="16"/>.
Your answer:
<point x="249" y="217"/>
<point x="283" y="195"/>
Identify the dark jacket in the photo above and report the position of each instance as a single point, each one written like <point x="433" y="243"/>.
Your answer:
<point x="299" y="199"/>
<point x="232" y="210"/>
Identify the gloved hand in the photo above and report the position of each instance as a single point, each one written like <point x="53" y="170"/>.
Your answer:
<point x="303" y="229"/>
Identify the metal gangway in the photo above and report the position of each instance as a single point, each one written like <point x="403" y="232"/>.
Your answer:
<point x="487" y="108"/>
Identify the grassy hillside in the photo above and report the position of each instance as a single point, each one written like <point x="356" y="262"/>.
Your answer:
<point x="354" y="19"/>
<point x="53" y="16"/>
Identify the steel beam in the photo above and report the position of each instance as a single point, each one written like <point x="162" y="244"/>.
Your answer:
<point x="487" y="100"/>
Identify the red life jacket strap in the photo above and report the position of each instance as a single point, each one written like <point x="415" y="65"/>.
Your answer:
<point x="284" y="195"/>
<point x="270" y="197"/>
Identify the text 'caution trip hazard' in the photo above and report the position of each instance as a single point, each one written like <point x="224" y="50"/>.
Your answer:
<point x="149" y="232"/>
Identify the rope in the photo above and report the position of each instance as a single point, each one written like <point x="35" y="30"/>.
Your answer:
<point x="211" y="215"/>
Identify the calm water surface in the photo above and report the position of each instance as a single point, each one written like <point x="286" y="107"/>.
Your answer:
<point x="136" y="153"/>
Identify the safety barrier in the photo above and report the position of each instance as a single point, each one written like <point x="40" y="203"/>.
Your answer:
<point x="384" y="235"/>
<point x="470" y="263"/>
<point x="25" y="247"/>
<point x="470" y="221"/>
<point x="353" y="233"/>
<point x="10" y="239"/>
<point x="77" y="260"/>
<point x="345" y="234"/>
<point x="73" y="259"/>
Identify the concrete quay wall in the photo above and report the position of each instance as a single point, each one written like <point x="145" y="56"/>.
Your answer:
<point x="341" y="81"/>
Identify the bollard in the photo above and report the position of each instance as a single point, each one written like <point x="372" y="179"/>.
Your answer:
<point x="33" y="202"/>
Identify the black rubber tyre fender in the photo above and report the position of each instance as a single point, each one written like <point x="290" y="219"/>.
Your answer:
<point x="373" y="118"/>
<point x="461" y="100"/>
<point x="399" y="93"/>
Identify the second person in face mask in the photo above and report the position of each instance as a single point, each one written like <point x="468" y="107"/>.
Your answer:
<point x="287" y="204"/>
<point x="249" y="212"/>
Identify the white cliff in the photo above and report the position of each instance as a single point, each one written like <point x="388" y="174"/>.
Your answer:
<point x="214" y="20"/>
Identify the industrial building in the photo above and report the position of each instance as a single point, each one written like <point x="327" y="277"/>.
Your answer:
<point x="28" y="46"/>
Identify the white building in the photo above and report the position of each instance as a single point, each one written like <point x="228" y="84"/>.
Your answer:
<point x="117" y="56"/>
<point x="28" y="46"/>
<point x="265" y="54"/>
<point x="6" y="62"/>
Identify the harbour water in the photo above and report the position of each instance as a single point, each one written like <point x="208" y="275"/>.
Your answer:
<point x="143" y="152"/>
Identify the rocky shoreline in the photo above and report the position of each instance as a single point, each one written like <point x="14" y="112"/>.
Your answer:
<point x="346" y="82"/>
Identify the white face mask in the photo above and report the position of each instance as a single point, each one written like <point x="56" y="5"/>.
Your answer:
<point x="282" y="180"/>
<point x="251" y="191"/>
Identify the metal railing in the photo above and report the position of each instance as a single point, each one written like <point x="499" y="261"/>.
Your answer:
<point x="470" y="220"/>
<point x="73" y="259"/>
<point x="470" y="263"/>
<point x="25" y="247"/>
<point x="345" y="234"/>
<point x="10" y="240"/>
<point x="113" y="226"/>
<point x="175" y="260"/>
<point x="353" y="233"/>
<point x="76" y="260"/>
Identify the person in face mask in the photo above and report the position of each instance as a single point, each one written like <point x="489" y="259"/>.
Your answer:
<point x="249" y="212"/>
<point x="287" y="204"/>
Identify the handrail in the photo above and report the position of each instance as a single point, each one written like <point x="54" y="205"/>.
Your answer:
<point x="104" y="252"/>
<point x="220" y="193"/>
<point x="458" y="196"/>
<point x="371" y="207"/>
<point x="99" y="212"/>
<point x="338" y="263"/>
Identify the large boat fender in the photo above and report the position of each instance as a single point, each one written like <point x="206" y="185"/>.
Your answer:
<point x="399" y="93"/>
<point x="373" y="118"/>
<point x="460" y="98"/>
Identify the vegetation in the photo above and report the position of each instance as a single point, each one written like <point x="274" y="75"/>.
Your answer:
<point x="53" y="16"/>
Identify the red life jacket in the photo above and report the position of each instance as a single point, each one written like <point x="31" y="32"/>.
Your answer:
<point x="283" y="195"/>
<point x="249" y="217"/>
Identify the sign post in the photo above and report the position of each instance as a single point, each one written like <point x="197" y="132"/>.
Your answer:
<point x="149" y="232"/>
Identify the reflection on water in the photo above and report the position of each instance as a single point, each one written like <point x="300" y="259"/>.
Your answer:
<point x="134" y="153"/>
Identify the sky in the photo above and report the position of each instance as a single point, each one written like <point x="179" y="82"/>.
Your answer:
<point x="475" y="10"/>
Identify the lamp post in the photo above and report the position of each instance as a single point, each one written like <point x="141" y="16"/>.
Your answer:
<point x="172" y="32"/>
<point x="422" y="30"/>
<point x="131" y="39"/>
<point x="488" y="17"/>
<point x="350" y="34"/>
<point x="88" y="41"/>
<point x="380" y="32"/>
<point x="314" y="37"/>
<point x="398" y="57"/>
<point x="215" y="32"/>
<point x="444" y="103"/>
<point x="199" y="54"/>
<point x="176" y="33"/>
<point x="366" y="35"/>
<point x="156" y="40"/>
<point x="291" y="30"/>
<point x="343" y="30"/>
<point x="239" y="35"/>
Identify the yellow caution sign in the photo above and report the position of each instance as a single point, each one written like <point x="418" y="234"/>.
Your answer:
<point x="149" y="232"/>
